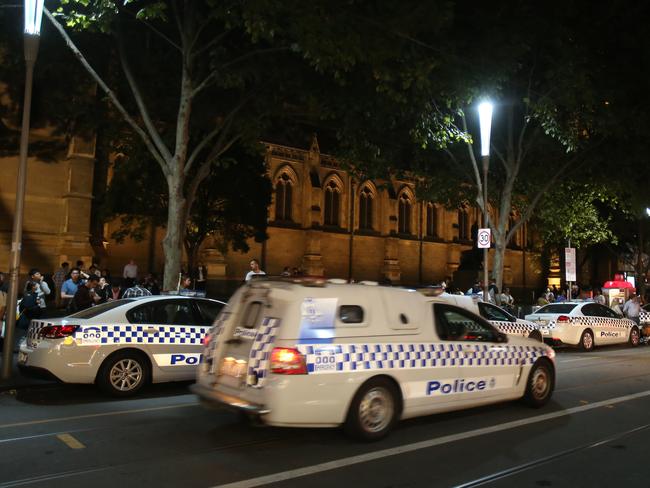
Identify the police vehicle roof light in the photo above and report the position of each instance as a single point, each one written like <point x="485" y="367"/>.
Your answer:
<point x="285" y="360"/>
<point x="431" y="291"/>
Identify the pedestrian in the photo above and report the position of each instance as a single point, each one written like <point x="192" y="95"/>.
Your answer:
<point x="632" y="308"/>
<point x="201" y="274"/>
<point x="85" y="296"/>
<point x="82" y="270"/>
<point x="103" y="290"/>
<point x="41" y="288"/>
<point x="493" y="292"/>
<point x="116" y="291"/>
<point x="507" y="301"/>
<point x="136" y="291"/>
<point x="286" y="272"/>
<point x="28" y="309"/>
<point x="151" y="283"/>
<point x="255" y="270"/>
<point x="599" y="297"/>
<point x="185" y="284"/>
<point x="130" y="273"/>
<point x="59" y="276"/>
<point x="69" y="287"/>
<point x="3" y="308"/>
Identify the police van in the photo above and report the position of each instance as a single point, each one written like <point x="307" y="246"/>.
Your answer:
<point x="122" y="345"/>
<point x="317" y="354"/>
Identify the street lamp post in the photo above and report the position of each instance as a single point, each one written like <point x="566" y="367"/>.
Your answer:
<point x="485" y="121"/>
<point x="33" y="15"/>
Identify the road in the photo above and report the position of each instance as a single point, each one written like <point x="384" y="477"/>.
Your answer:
<point x="594" y="433"/>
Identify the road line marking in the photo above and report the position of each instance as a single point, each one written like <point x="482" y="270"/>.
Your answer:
<point x="95" y="415"/>
<point x="416" y="446"/>
<point x="70" y="441"/>
<point x="578" y="359"/>
<point x="36" y="436"/>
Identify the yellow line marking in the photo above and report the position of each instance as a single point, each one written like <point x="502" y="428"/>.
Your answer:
<point x="583" y="402"/>
<point x="70" y="441"/>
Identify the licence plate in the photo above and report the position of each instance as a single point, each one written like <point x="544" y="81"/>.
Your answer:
<point x="22" y="357"/>
<point x="235" y="368"/>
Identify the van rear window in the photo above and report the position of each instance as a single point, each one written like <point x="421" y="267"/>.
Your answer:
<point x="351" y="314"/>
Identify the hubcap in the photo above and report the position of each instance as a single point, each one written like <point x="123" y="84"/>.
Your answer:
<point x="540" y="383"/>
<point x="376" y="410"/>
<point x="588" y="341"/>
<point x="126" y="374"/>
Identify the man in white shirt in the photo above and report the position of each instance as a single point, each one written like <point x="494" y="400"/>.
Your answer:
<point x="632" y="308"/>
<point x="600" y="298"/>
<point x="130" y="273"/>
<point x="255" y="270"/>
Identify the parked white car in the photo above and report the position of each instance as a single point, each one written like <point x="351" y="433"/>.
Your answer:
<point x="123" y="344"/>
<point x="584" y="324"/>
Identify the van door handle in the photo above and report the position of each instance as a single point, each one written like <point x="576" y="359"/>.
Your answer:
<point x="151" y="330"/>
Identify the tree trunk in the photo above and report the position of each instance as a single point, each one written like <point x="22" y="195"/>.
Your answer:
<point x="173" y="241"/>
<point x="498" y="260"/>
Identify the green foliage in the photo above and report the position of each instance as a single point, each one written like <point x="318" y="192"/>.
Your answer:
<point x="584" y="213"/>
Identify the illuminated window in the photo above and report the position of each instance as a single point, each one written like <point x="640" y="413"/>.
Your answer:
<point x="332" y="203"/>
<point x="404" y="219"/>
<point x="365" y="209"/>
<point x="283" y="190"/>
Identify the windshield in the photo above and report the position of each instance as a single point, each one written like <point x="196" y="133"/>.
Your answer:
<point x="557" y="308"/>
<point x="93" y="312"/>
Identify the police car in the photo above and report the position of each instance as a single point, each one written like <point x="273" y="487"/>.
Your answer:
<point x="362" y="357"/>
<point x="123" y="344"/>
<point x="584" y="324"/>
<point x="501" y="320"/>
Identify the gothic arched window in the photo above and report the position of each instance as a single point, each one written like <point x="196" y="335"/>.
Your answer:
<point x="432" y="221"/>
<point x="283" y="190"/>
<point x="365" y="209"/>
<point x="332" y="204"/>
<point x="404" y="215"/>
<point x="463" y="220"/>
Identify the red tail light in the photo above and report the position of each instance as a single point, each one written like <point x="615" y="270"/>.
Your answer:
<point x="285" y="360"/>
<point x="563" y="318"/>
<point x="57" y="331"/>
<point x="206" y="340"/>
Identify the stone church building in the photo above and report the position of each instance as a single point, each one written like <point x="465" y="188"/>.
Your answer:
<point x="321" y="220"/>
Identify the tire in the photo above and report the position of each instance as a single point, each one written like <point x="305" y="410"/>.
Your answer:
<point x="635" y="337"/>
<point x="536" y="335"/>
<point x="587" y="341"/>
<point x="373" y="410"/>
<point x="124" y="373"/>
<point x="540" y="384"/>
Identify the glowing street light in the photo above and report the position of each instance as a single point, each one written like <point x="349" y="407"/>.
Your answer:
<point x="33" y="16"/>
<point x="485" y="121"/>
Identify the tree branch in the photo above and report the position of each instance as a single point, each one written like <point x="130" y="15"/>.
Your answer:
<point x="137" y="95"/>
<point x="118" y="105"/>
<point x="179" y="25"/>
<point x="148" y="24"/>
<point x="477" y="174"/>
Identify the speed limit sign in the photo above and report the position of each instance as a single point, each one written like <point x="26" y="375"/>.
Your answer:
<point x="484" y="238"/>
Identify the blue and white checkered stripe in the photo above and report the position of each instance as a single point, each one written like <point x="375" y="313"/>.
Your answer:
<point x="366" y="357"/>
<point x="644" y="317"/>
<point x="167" y="334"/>
<point x="514" y="328"/>
<point x="584" y="321"/>
<point x="259" y="356"/>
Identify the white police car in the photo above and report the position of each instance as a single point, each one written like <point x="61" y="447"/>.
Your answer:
<point x="584" y="324"/>
<point x="121" y="345"/>
<point x="362" y="357"/>
<point x="501" y="320"/>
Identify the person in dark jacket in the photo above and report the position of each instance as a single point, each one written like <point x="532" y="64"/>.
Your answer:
<point x="85" y="297"/>
<point x="28" y="308"/>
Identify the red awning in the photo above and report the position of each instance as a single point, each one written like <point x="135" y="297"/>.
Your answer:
<point x="619" y="284"/>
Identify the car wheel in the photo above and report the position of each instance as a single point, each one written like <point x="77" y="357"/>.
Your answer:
<point x="635" y="337"/>
<point x="373" y="410"/>
<point x="123" y="374"/>
<point x="536" y="335"/>
<point x="540" y="384"/>
<point x="587" y="341"/>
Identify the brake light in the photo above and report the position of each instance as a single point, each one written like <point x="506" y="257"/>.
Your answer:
<point x="563" y="318"/>
<point x="57" y="331"/>
<point x="285" y="360"/>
